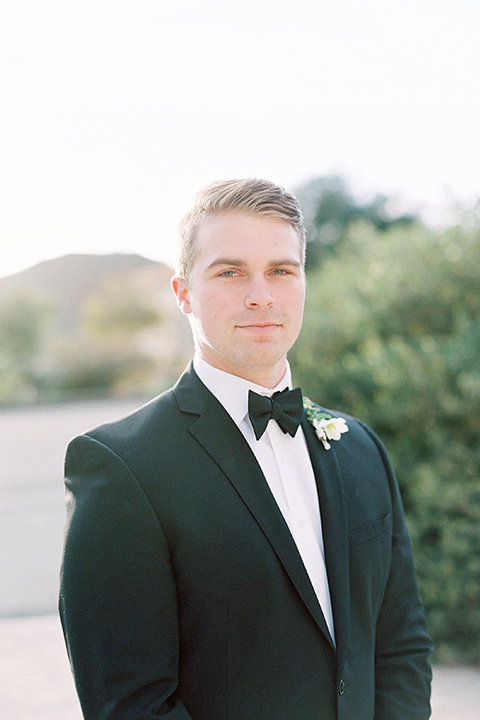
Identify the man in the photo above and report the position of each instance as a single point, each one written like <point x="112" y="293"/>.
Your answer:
<point x="221" y="561"/>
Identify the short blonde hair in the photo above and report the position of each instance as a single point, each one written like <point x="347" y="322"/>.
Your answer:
<point x="249" y="195"/>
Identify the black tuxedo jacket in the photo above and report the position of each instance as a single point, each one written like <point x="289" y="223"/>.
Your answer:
<point x="183" y="595"/>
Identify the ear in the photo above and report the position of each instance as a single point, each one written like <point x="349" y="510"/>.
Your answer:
<point x="181" y="292"/>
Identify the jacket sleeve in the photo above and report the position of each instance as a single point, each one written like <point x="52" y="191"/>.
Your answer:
<point x="117" y="597"/>
<point x="402" y="669"/>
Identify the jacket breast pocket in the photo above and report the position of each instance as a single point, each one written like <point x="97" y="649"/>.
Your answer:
<point x="370" y="531"/>
<point x="370" y="558"/>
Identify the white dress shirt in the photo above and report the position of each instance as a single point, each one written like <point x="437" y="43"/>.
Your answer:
<point x="286" y="464"/>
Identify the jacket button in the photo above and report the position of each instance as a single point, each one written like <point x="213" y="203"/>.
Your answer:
<point x="341" y="687"/>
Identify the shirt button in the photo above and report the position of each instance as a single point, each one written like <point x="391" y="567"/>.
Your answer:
<point x="341" y="687"/>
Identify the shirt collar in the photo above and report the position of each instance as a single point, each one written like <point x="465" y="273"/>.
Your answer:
<point x="231" y="390"/>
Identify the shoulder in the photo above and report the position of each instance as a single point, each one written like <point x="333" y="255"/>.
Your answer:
<point x="122" y="436"/>
<point x="146" y="418"/>
<point x="152" y="432"/>
<point x="127" y="428"/>
<point x="151" y="417"/>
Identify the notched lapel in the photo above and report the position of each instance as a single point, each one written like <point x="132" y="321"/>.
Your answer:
<point x="333" y="510"/>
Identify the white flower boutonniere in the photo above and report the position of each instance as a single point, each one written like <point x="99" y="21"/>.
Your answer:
<point x="326" y="426"/>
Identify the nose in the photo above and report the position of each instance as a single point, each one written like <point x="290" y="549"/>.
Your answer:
<point x="259" y="294"/>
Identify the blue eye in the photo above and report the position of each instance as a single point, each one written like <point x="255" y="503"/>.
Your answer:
<point x="229" y="273"/>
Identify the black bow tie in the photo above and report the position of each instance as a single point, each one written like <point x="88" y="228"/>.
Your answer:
<point x="286" y="407"/>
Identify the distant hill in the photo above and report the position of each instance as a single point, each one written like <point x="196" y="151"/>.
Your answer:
<point x="90" y="323"/>
<point x="67" y="280"/>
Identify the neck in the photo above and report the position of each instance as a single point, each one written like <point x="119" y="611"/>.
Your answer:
<point x="267" y="378"/>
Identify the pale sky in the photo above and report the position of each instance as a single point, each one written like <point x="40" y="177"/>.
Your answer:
<point x="113" y="113"/>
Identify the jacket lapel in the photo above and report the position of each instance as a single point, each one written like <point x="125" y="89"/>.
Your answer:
<point x="333" y="510"/>
<point x="231" y="452"/>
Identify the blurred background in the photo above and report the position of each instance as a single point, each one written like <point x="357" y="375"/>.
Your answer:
<point x="113" y="116"/>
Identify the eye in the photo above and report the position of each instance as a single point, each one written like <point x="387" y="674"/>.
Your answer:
<point x="229" y="273"/>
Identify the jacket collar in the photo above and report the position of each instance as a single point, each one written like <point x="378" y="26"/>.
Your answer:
<point x="225" y="446"/>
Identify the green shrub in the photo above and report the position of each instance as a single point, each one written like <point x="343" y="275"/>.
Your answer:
<point x="392" y="335"/>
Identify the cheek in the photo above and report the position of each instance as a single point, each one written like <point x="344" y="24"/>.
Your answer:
<point x="209" y="309"/>
<point x="297" y="322"/>
<point x="294" y="303"/>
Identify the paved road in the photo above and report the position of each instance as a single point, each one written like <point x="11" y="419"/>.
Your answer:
<point x="35" y="681"/>
<point x="32" y="447"/>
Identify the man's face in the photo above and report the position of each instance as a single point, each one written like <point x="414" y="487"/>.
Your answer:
<point x="246" y="294"/>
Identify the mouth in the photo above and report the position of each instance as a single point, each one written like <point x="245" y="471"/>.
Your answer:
<point x="260" y="326"/>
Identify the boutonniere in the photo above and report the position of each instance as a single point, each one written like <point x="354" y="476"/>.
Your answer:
<point x="326" y="426"/>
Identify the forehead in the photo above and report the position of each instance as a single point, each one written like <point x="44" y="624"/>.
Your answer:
<point x="246" y="233"/>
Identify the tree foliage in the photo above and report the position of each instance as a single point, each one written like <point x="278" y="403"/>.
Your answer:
<point x="392" y="335"/>
<point x="23" y="325"/>
<point x="112" y="337"/>
<point x="329" y="209"/>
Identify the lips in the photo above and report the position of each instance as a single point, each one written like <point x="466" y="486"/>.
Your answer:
<point x="260" y="330"/>
<point x="260" y="326"/>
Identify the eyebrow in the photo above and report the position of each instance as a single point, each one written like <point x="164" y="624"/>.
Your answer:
<point x="235" y="262"/>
